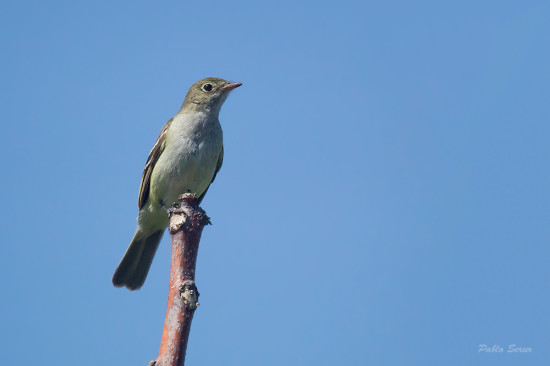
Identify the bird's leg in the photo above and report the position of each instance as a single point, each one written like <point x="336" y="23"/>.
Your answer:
<point x="176" y="205"/>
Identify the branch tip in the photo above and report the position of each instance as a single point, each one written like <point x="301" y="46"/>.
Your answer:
<point x="186" y="211"/>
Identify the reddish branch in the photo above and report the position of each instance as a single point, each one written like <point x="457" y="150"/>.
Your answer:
<point x="187" y="220"/>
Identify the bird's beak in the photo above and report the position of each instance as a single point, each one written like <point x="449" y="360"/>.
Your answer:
<point x="231" y="86"/>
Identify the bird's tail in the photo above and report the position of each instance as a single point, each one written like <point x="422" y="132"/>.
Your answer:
<point x="134" y="266"/>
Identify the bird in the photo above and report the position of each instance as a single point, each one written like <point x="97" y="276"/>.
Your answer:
<point x="186" y="157"/>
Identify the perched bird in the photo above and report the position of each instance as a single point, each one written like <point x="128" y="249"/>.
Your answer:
<point x="185" y="158"/>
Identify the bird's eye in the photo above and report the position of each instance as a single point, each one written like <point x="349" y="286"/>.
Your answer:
<point x="207" y="87"/>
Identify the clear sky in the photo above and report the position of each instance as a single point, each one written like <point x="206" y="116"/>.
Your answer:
<point x="384" y="198"/>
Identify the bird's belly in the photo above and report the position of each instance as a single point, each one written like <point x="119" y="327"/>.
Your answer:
<point x="189" y="167"/>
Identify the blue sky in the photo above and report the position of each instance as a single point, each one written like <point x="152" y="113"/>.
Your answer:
<point x="384" y="197"/>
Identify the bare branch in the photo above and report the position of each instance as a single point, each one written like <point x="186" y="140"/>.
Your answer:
<point x="187" y="220"/>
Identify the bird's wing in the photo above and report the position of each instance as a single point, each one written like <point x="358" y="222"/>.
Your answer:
<point x="218" y="167"/>
<point x="154" y="155"/>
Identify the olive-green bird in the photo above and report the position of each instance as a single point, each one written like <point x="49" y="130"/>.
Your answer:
<point x="186" y="158"/>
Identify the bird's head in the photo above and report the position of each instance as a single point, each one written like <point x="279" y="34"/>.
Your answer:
<point x="208" y="94"/>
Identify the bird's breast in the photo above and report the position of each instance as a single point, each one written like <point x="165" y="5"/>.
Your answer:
<point x="187" y="163"/>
